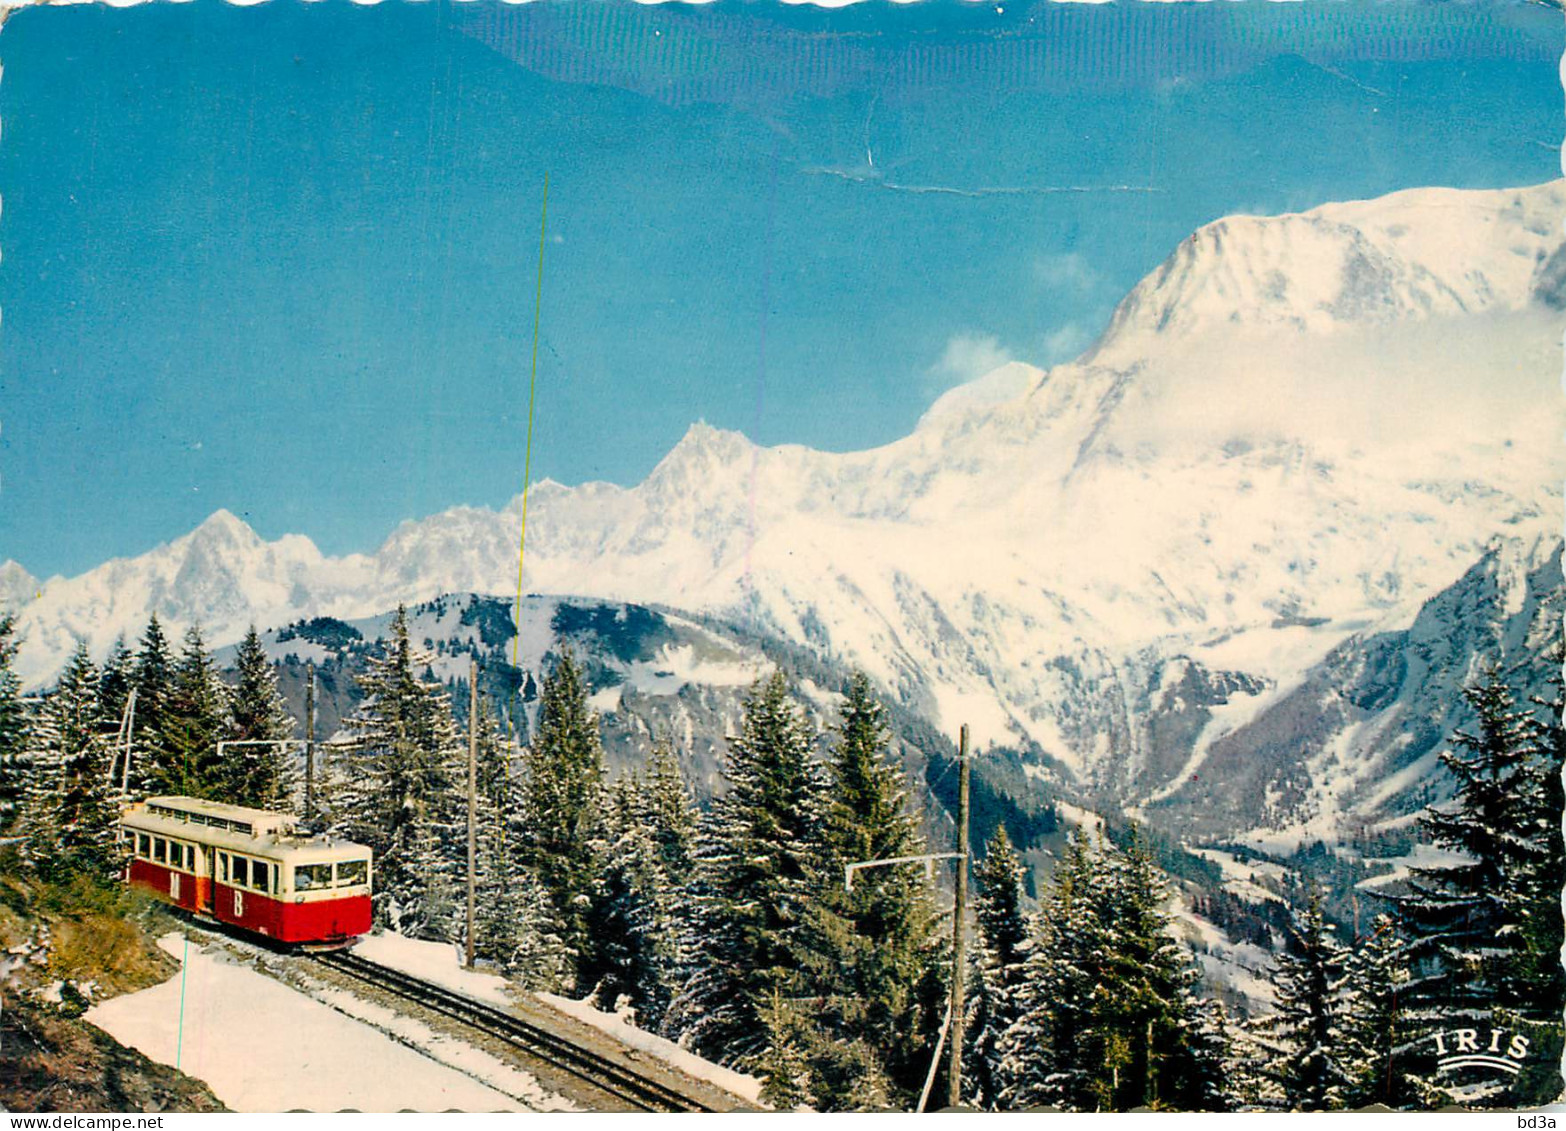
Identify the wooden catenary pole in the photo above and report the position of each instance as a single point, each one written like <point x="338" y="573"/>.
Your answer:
<point x="954" y="1071"/>
<point x="309" y="740"/>
<point x="472" y="793"/>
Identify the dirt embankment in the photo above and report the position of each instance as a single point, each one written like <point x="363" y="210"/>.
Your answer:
<point x="64" y="944"/>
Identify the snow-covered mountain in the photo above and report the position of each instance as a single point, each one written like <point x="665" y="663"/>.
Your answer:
<point x="1293" y="433"/>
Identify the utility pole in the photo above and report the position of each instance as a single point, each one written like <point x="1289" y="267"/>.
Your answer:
<point x="954" y="1070"/>
<point x="309" y="739"/>
<point x="472" y="792"/>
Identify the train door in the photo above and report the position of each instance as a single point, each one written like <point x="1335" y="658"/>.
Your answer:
<point x="204" y="878"/>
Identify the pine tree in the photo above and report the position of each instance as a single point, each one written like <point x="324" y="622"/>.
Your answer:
<point x="401" y="788"/>
<point x="260" y="776"/>
<point x="782" y="1066"/>
<point x="864" y="949"/>
<point x="1108" y="1018"/>
<point x="1537" y="900"/>
<point x="153" y="680"/>
<point x="1470" y="922"/>
<point x="71" y="822"/>
<point x="634" y="926"/>
<point x="1316" y="1070"/>
<point x="1375" y="1025"/>
<point x="564" y="782"/>
<point x="13" y="727"/>
<point x="998" y="967"/>
<point x="757" y="854"/>
<point x="670" y="812"/>
<point x="190" y="725"/>
<point x="1044" y="1058"/>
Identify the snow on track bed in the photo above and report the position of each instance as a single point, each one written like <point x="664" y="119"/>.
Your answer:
<point x="624" y="1078"/>
<point x="263" y="1046"/>
<point x="439" y="963"/>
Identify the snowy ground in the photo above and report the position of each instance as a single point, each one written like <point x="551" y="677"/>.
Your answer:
<point x="263" y="1046"/>
<point x="441" y="964"/>
<point x="434" y="962"/>
<point x="620" y="1028"/>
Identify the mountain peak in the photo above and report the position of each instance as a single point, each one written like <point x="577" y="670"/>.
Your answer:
<point x="1372" y="262"/>
<point x="997" y="387"/>
<point x="17" y="586"/>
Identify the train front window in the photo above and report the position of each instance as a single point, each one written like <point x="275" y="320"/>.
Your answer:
<point x="160" y="850"/>
<point x="352" y="872"/>
<point x="308" y="877"/>
<point x="241" y="871"/>
<point x="260" y="875"/>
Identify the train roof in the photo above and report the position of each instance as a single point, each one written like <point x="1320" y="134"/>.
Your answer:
<point x="258" y="831"/>
<point x="235" y="818"/>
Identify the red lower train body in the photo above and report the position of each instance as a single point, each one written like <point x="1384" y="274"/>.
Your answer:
<point x="323" y="921"/>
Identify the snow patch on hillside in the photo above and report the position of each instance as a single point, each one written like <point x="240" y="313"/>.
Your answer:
<point x="262" y="1046"/>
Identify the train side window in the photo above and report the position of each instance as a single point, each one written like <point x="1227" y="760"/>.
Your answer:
<point x="260" y="875"/>
<point x="352" y="872"/>
<point x="143" y="845"/>
<point x="241" y="871"/>
<point x="160" y="850"/>
<point x="308" y="877"/>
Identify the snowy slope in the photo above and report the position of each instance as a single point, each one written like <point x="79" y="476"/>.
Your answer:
<point x="263" y="1046"/>
<point x="1293" y="432"/>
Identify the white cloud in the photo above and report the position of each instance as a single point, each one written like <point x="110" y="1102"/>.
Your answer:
<point x="1065" y="343"/>
<point x="1067" y="270"/>
<point x="966" y="357"/>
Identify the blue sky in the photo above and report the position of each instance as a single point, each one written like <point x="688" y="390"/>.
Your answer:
<point x="281" y="259"/>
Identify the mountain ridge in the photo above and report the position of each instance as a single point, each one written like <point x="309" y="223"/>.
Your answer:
<point x="1244" y="491"/>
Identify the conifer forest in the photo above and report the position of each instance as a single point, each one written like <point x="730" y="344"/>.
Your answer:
<point x="725" y="923"/>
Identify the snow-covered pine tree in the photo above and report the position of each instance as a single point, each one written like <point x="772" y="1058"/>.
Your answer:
<point x="1538" y="898"/>
<point x="998" y="967"/>
<point x="864" y="950"/>
<point x="634" y="926"/>
<point x="758" y="853"/>
<point x="515" y="925"/>
<point x="190" y="724"/>
<point x="564" y="777"/>
<point x="1374" y="1024"/>
<point x="1318" y="1066"/>
<point x="261" y="776"/>
<point x="71" y="820"/>
<point x="1108" y="1018"/>
<point x="1467" y="921"/>
<point x="401" y="789"/>
<point x="13" y="727"/>
<point x="1046" y="1058"/>
<point x="154" y="682"/>
<point x="782" y="1065"/>
<point x="670" y="812"/>
<point x="1148" y="993"/>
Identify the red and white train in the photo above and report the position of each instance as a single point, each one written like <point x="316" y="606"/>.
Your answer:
<point x="249" y="868"/>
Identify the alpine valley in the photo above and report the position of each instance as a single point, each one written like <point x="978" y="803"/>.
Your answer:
<point x="1227" y="571"/>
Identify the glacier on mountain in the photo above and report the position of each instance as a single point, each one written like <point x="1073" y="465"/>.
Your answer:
<point x="1292" y="434"/>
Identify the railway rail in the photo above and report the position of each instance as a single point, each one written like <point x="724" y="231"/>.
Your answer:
<point x="620" y="1080"/>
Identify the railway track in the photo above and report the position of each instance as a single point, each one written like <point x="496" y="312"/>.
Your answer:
<point x="620" y="1080"/>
